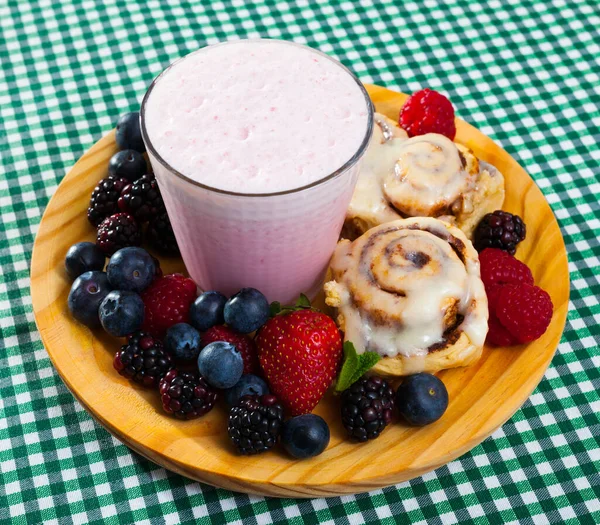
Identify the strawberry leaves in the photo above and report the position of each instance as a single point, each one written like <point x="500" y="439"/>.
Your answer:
<point x="275" y="308"/>
<point x="303" y="303"/>
<point x="354" y="367"/>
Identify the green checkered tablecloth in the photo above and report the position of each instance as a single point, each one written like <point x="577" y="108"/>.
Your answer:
<point x="525" y="72"/>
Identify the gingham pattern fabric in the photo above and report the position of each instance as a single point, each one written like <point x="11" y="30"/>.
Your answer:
<point x="524" y="72"/>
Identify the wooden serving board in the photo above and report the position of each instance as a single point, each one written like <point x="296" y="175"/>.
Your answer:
<point x="482" y="397"/>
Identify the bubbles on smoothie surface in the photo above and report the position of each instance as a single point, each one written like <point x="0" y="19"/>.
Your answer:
<point x="251" y="98"/>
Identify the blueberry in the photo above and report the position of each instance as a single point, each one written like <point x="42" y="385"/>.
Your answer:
<point x="129" y="134"/>
<point x="207" y="310"/>
<point x="183" y="342"/>
<point x="131" y="269"/>
<point x="127" y="164"/>
<point x="87" y="292"/>
<point x="121" y="313"/>
<point x="421" y="399"/>
<point x="247" y="310"/>
<point x="248" y="385"/>
<point x="305" y="436"/>
<point x="84" y="257"/>
<point x="221" y="364"/>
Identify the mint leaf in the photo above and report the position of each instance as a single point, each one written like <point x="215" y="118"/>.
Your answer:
<point x="274" y="308"/>
<point x="349" y="367"/>
<point x="354" y="366"/>
<point x="303" y="301"/>
<point x="367" y="361"/>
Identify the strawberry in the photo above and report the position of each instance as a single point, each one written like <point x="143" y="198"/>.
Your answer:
<point x="242" y="342"/>
<point x="299" y="353"/>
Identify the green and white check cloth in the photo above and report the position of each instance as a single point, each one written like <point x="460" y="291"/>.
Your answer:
<point x="524" y="72"/>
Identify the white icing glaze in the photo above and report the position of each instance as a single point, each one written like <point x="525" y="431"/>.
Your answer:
<point x="427" y="175"/>
<point x="401" y="284"/>
<point x="368" y="199"/>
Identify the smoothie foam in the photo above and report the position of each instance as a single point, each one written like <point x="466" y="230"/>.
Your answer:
<point x="256" y="117"/>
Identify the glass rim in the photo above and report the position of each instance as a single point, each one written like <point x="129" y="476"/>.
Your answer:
<point x="342" y="169"/>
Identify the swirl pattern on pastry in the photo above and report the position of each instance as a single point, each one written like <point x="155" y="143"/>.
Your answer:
<point x="427" y="175"/>
<point x="409" y="288"/>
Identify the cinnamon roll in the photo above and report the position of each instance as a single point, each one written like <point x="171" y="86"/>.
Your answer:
<point x="423" y="176"/>
<point x="410" y="290"/>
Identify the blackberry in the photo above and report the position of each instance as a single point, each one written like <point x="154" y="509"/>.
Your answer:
<point x="186" y="395"/>
<point x="105" y="196"/>
<point x="160" y="235"/>
<point x="142" y="360"/>
<point x="118" y="231"/>
<point x="499" y="229"/>
<point x="142" y="199"/>
<point x="367" y="408"/>
<point x="255" y="424"/>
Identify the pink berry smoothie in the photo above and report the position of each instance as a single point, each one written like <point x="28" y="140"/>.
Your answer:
<point x="256" y="147"/>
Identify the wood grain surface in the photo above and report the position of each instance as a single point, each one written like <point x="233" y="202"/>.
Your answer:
<point x="482" y="397"/>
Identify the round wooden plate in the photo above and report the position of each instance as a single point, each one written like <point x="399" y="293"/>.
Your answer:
<point x="482" y="397"/>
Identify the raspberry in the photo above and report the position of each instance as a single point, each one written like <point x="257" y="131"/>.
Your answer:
<point x="428" y="111"/>
<point x="499" y="229"/>
<point x="160" y="235"/>
<point x="142" y="199"/>
<point x="118" y="231"/>
<point x="498" y="267"/>
<point x="105" y="196"/>
<point x="493" y="292"/>
<point x="167" y="302"/>
<point x="524" y="310"/>
<point x="186" y="395"/>
<point x="242" y="342"/>
<point x="497" y="334"/>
